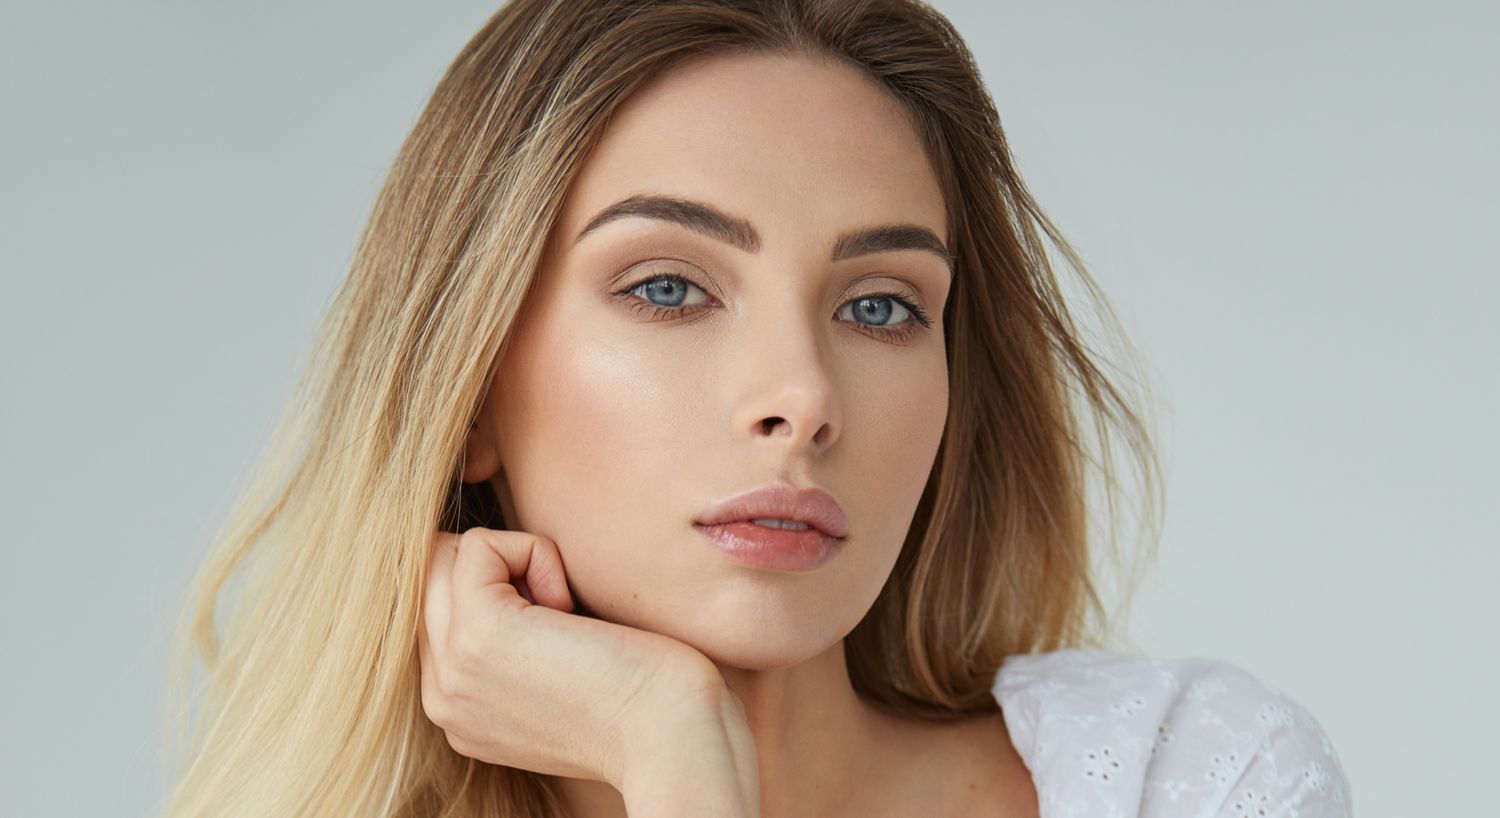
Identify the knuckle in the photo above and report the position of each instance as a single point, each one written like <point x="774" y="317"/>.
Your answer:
<point x="470" y="538"/>
<point x="512" y="544"/>
<point x="544" y="556"/>
<point x="457" y="742"/>
<point x="539" y="541"/>
<point x="435" y="706"/>
<point x="431" y="685"/>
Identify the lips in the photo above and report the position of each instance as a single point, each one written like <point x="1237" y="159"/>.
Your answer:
<point x="780" y="501"/>
<point x="774" y="548"/>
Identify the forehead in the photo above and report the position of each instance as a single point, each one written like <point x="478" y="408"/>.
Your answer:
<point x="796" y="144"/>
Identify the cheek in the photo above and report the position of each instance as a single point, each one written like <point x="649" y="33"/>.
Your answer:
<point x="892" y="452"/>
<point x="593" y="430"/>
<point x="614" y="436"/>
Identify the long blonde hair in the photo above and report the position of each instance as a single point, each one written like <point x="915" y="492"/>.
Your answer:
<point x="312" y="698"/>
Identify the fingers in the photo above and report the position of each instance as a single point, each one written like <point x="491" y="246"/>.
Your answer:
<point x="431" y="694"/>
<point x="489" y="562"/>
<point x="437" y="600"/>
<point x="434" y="625"/>
<point x="547" y="580"/>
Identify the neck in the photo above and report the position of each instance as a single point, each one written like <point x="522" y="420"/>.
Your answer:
<point x="816" y="741"/>
<point x="813" y="734"/>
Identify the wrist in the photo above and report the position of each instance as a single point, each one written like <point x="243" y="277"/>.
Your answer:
<point x="696" y="756"/>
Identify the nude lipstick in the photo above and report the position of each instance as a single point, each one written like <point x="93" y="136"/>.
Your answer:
<point x="777" y="526"/>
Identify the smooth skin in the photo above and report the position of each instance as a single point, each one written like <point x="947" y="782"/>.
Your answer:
<point x="514" y="678"/>
<point x="612" y="422"/>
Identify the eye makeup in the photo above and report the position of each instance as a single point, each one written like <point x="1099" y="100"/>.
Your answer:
<point x="901" y="331"/>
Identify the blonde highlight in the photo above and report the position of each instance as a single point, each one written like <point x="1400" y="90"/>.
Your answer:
<point x="312" y="704"/>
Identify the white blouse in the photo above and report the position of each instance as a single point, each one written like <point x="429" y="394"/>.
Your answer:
<point x="1107" y="734"/>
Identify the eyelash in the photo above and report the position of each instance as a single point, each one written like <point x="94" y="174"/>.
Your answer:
<point x="900" y="333"/>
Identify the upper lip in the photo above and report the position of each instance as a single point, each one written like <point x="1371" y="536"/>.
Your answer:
<point x="780" y="501"/>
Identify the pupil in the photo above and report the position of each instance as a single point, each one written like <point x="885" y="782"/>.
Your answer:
<point x="883" y="315"/>
<point x="670" y="285"/>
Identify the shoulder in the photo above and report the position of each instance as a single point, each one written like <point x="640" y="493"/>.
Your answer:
<point x="1111" y="733"/>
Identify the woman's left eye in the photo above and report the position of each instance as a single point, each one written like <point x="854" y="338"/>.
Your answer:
<point x="665" y="296"/>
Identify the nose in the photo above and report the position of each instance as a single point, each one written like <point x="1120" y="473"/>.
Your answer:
<point x="788" y="397"/>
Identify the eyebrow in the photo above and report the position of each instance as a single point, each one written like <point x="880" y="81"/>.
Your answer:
<point x="738" y="231"/>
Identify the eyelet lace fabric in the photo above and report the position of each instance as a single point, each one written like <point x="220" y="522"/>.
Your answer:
<point x="1108" y="734"/>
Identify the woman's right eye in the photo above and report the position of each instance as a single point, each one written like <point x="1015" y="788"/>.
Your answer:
<point x="663" y="296"/>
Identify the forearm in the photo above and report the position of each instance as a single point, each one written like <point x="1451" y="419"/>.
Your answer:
<point x="700" y="761"/>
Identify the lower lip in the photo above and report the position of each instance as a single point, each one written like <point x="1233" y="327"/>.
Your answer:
<point x="780" y="549"/>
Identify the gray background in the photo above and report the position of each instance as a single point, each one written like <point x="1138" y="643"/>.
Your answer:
<point x="1292" y="205"/>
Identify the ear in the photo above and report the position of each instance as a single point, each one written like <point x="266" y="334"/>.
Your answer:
<point x="481" y="457"/>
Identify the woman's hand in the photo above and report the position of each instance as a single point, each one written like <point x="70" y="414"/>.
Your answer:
<point x="514" y="679"/>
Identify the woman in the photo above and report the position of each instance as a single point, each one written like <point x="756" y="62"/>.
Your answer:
<point x="693" y="436"/>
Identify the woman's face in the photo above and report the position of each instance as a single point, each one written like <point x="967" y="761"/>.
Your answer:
<point x="614" y="428"/>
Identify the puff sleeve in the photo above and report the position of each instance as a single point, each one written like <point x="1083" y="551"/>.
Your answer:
<point x="1110" y="734"/>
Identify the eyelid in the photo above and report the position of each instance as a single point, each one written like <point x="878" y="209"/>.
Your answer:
<point x="710" y="287"/>
<point x="906" y="290"/>
<point x="673" y="253"/>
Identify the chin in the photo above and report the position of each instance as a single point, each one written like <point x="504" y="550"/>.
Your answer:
<point x="766" y="652"/>
<point x="765" y="633"/>
<point x="737" y="617"/>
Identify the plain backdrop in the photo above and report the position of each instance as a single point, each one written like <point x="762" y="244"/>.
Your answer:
<point x="1292" y="205"/>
